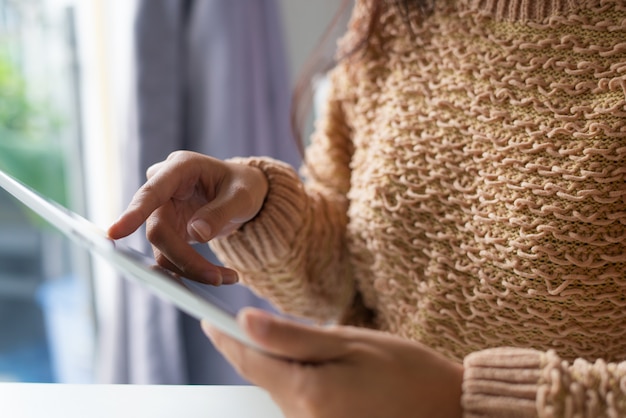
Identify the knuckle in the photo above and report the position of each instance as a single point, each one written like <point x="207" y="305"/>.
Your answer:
<point x="186" y="266"/>
<point x="181" y="160"/>
<point x="176" y="155"/>
<point x="152" y="170"/>
<point x="242" y="194"/>
<point x="153" y="233"/>
<point x="148" y="193"/>
<point x="217" y="216"/>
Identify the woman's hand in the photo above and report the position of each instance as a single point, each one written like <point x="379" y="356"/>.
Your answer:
<point x="342" y="372"/>
<point x="191" y="198"/>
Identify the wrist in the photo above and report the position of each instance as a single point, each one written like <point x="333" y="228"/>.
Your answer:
<point x="456" y="409"/>
<point x="281" y="199"/>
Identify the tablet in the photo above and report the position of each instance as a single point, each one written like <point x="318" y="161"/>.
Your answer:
<point x="133" y="265"/>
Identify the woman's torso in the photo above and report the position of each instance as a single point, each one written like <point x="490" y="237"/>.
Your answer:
<point x="488" y="195"/>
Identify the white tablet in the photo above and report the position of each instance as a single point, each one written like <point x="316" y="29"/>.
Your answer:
<point x="184" y="293"/>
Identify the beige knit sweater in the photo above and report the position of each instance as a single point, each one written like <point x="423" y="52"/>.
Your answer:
<point x="467" y="189"/>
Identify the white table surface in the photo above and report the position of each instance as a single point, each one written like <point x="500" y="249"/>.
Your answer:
<point x="27" y="400"/>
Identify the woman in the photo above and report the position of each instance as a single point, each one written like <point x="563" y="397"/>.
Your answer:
<point x="465" y="200"/>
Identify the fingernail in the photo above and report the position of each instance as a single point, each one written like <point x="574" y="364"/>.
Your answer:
<point x="202" y="229"/>
<point x="230" y="277"/>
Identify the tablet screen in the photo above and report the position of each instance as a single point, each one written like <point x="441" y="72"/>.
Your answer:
<point x="199" y="289"/>
<point x="191" y="297"/>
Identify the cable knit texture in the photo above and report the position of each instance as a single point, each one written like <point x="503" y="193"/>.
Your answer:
<point x="466" y="188"/>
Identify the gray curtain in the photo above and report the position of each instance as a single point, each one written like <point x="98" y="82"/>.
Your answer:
<point x="211" y="77"/>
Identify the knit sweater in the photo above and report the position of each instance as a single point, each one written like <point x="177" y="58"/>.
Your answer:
<point x="466" y="188"/>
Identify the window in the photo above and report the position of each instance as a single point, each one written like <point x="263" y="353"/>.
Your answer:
<point x="46" y="309"/>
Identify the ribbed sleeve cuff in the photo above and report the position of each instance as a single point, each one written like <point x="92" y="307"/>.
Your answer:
<point x="501" y="382"/>
<point x="523" y="10"/>
<point x="266" y="239"/>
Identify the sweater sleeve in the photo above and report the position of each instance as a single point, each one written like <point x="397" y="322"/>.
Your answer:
<point x="294" y="252"/>
<point x="511" y="382"/>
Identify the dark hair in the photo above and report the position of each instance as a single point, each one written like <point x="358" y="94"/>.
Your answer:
<point x="302" y="94"/>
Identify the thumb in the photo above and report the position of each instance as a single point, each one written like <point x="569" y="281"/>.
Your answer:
<point x="221" y="216"/>
<point x="288" y="339"/>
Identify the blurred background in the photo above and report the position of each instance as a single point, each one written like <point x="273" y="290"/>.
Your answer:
<point x="92" y="92"/>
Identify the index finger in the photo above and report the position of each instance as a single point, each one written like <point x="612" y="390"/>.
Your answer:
<point x="159" y="189"/>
